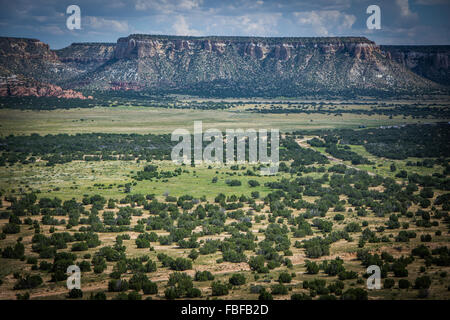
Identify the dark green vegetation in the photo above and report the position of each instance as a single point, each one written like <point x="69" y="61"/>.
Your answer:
<point x="312" y="235"/>
<point x="393" y="142"/>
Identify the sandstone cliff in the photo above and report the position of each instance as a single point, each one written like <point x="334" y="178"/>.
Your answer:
<point x="431" y="62"/>
<point x="228" y="65"/>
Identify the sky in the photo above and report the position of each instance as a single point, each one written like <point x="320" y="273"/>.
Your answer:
<point x="412" y="22"/>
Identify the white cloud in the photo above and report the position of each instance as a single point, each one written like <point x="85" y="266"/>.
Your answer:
<point x="325" y="22"/>
<point x="55" y="30"/>
<point x="103" y="24"/>
<point x="182" y="28"/>
<point x="262" y="24"/>
<point x="167" y="6"/>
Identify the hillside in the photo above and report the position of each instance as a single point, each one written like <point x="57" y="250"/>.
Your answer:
<point x="431" y="62"/>
<point x="218" y="66"/>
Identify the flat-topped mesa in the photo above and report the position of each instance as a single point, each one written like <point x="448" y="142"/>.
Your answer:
<point x="237" y="66"/>
<point x="86" y="52"/>
<point x="142" y="46"/>
<point x="24" y="48"/>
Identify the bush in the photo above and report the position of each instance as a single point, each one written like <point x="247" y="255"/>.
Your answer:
<point x="347" y="275"/>
<point x="284" y="277"/>
<point x="311" y="267"/>
<point x="423" y="282"/>
<point x="264" y="295"/>
<point x="389" y="283"/>
<point x="11" y="228"/>
<point x="279" y="289"/>
<point x="98" y="296"/>
<point x="181" y="264"/>
<point x="138" y="280"/>
<point x="75" y="294"/>
<point x="193" y="254"/>
<point x="355" y="294"/>
<point x="203" y="276"/>
<point x="171" y="293"/>
<point x="256" y="288"/>
<point x="219" y="289"/>
<point x="29" y="282"/>
<point x="134" y="295"/>
<point x="300" y="296"/>
<point x="253" y="183"/>
<point x="403" y="284"/>
<point x="150" y="287"/>
<point x="117" y="285"/>
<point x="32" y="260"/>
<point x="194" y="293"/>
<point x="25" y="296"/>
<point x="237" y="279"/>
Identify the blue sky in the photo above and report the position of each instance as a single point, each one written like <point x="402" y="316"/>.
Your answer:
<point x="402" y="21"/>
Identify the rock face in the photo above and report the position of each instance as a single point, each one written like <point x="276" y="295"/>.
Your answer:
<point x="28" y="67"/>
<point x="252" y="64"/>
<point x="83" y="57"/>
<point x="20" y="87"/>
<point x="431" y="62"/>
<point x="222" y="65"/>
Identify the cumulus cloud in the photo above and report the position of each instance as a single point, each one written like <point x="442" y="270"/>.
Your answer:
<point x="325" y="22"/>
<point x="167" y="5"/>
<point x="258" y="24"/>
<point x="103" y="24"/>
<point x="181" y="27"/>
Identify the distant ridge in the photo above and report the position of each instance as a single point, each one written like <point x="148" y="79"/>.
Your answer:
<point x="222" y="65"/>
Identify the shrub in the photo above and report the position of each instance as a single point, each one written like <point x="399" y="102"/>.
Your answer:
<point x="311" y="267"/>
<point x="193" y="254"/>
<point x="11" y="228"/>
<point x="117" y="285"/>
<point x="150" y="287"/>
<point x="98" y="296"/>
<point x="284" y="277"/>
<point x="253" y="183"/>
<point x="181" y="264"/>
<point x="203" y="276"/>
<point x="403" y="284"/>
<point x="355" y="294"/>
<point x="300" y="296"/>
<point x="423" y="282"/>
<point x="29" y="282"/>
<point x="279" y="289"/>
<point x="347" y="275"/>
<point x="389" y="283"/>
<point x="237" y="279"/>
<point x="134" y="295"/>
<point x="264" y="295"/>
<point x="75" y="294"/>
<point x="219" y="289"/>
<point x="194" y="293"/>
<point x="171" y="293"/>
<point x="138" y="280"/>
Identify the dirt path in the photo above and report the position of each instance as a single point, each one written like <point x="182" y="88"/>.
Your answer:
<point x="302" y="143"/>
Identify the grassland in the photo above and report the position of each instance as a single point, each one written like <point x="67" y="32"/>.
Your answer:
<point x="125" y="119"/>
<point x="107" y="178"/>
